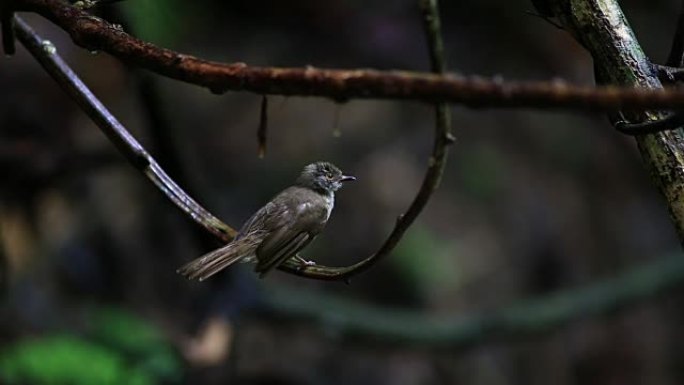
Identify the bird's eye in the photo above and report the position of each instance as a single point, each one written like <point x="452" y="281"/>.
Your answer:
<point x="329" y="176"/>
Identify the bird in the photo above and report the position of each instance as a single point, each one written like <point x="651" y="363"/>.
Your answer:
<point x="281" y="228"/>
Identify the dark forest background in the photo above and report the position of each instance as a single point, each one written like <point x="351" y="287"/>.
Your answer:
<point x="532" y="202"/>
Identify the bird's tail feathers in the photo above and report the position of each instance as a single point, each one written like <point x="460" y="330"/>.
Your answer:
<point x="217" y="260"/>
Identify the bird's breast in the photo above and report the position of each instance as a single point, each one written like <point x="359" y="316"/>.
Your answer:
<point x="318" y="206"/>
<point x="329" y="204"/>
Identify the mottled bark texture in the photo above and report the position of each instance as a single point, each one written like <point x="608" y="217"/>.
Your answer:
<point x="601" y="27"/>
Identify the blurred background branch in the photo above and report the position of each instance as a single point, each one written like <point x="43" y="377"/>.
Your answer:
<point x="347" y="317"/>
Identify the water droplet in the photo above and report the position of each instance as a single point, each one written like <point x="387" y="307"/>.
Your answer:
<point x="49" y="47"/>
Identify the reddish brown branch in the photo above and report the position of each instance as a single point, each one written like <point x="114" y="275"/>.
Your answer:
<point x="96" y="34"/>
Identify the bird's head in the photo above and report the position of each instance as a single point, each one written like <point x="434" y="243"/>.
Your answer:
<point x="323" y="177"/>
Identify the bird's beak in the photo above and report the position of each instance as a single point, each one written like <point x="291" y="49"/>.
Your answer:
<point x="347" y="178"/>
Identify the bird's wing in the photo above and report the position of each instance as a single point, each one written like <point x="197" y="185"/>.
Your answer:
<point x="265" y="218"/>
<point x="279" y="246"/>
<point x="290" y="234"/>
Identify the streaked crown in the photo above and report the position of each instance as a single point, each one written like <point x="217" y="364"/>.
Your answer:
<point x="323" y="177"/>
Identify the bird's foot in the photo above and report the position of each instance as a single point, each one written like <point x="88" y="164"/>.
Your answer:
<point x="304" y="262"/>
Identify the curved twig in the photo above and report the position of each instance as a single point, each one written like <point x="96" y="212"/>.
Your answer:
<point x="96" y="34"/>
<point x="47" y="56"/>
<point x="436" y="162"/>
<point x="668" y="122"/>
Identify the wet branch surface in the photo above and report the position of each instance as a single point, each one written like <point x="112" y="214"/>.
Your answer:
<point x="96" y="34"/>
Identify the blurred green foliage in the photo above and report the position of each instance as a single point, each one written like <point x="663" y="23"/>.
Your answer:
<point x="65" y="359"/>
<point x="482" y="171"/>
<point x="131" y="335"/>
<point x="119" y="349"/>
<point x="160" y="22"/>
<point x="425" y="260"/>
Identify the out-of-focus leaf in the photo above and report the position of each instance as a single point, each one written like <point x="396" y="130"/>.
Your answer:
<point x="68" y="360"/>
<point x="160" y="22"/>
<point x="481" y="170"/>
<point x="423" y="259"/>
<point x="133" y="336"/>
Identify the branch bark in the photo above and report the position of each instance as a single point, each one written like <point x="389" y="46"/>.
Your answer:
<point x="601" y="27"/>
<point x="96" y="34"/>
<point x="46" y="54"/>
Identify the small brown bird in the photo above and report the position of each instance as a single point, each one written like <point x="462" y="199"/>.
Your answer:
<point x="280" y="229"/>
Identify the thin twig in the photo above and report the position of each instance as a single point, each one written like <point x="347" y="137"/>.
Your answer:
<point x="46" y="54"/>
<point x="349" y="318"/>
<point x="7" y="30"/>
<point x="96" y="34"/>
<point x="668" y="74"/>
<point x="676" y="56"/>
<point x="263" y="127"/>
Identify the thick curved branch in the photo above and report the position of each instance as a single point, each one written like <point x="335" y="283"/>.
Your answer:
<point x="548" y="313"/>
<point x="96" y="34"/>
